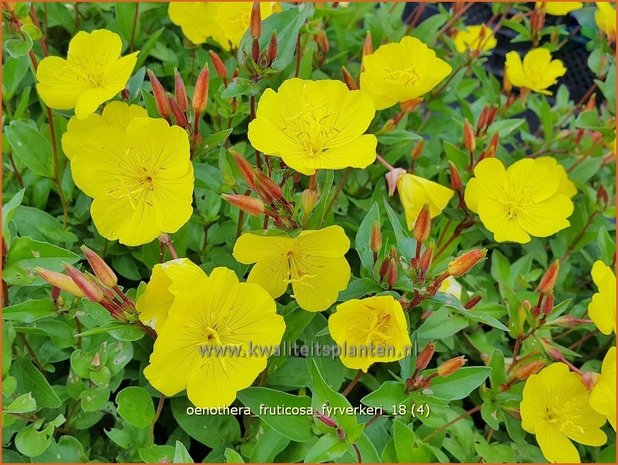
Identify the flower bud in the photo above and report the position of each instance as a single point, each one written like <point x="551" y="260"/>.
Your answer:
<point x="548" y="304"/>
<point x="180" y="91"/>
<point x="179" y="116"/>
<point x="328" y="421"/>
<point x="107" y="292"/>
<point x="391" y="275"/>
<point x="272" y="48"/>
<point x="322" y="40"/>
<point x="246" y="169"/>
<point x="462" y="264"/>
<point x="493" y="143"/>
<point x="451" y="366"/>
<point x="491" y="117"/>
<point x="548" y="281"/>
<point x="417" y="150"/>
<point x="589" y="379"/>
<point x="268" y="189"/>
<point x="422" y="227"/>
<point x="308" y="199"/>
<point x="368" y="44"/>
<point x="506" y="84"/>
<point x="481" y="123"/>
<point x="384" y="267"/>
<point x="249" y="205"/>
<point x="96" y="360"/>
<point x="425" y="261"/>
<point x="525" y="371"/>
<point x="408" y="106"/>
<point x="200" y="94"/>
<point x="375" y="240"/>
<point x="160" y="96"/>
<point x="100" y="268"/>
<point x="455" y="177"/>
<point x="59" y="281"/>
<point x="349" y="79"/>
<point x="90" y="290"/>
<point x="255" y="23"/>
<point x="602" y="197"/>
<point x="423" y="359"/>
<point x="472" y="302"/>
<point x="553" y="353"/>
<point x="219" y="65"/>
<point x="469" y="138"/>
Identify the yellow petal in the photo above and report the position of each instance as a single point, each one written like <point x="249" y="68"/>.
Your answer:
<point x="555" y="446"/>
<point x="58" y="84"/>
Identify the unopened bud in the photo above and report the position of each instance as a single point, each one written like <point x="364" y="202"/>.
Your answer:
<point x="375" y="241"/>
<point x="272" y="48"/>
<point x="481" y="123"/>
<point x="96" y="360"/>
<point x="602" y="197"/>
<point x="423" y="359"/>
<point x="462" y="264"/>
<point x="537" y="20"/>
<point x="589" y="379"/>
<point x="472" y="302"/>
<point x="160" y="96"/>
<point x="506" y="83"/>
<point x="391" y="275"/>
<point x="455" y="177"/>
<point x="592" y="102"/>
<point x="349" y="80"/>
<point x="249" y="205"/>
<point x="179" y="115"/>
<point x="422" y="227"/>
<point x="451" y="366"/>
<point x="425" y="261"/>
<point x="529" y="369"/>
<point x="180" y="92"/>
<point x="200" y="94"/>
<point x="59" y="281"/>
<point x="469" y="138"/>
<point x="328" y="421"/>
<point x="90" y="290"/>
<point x="268" y="189"/>
<point x="107" y="292"/>
<point x="548" y="281"/>
<point x="322" y="40"/>
<point x="217" y="62"/>
<point x="384" y="267"/>
<point x="55" y="293"/>
<point x="246" y="169"/>
<point x="553" y="353"/>
<point x="548" y="304"/>
<point x="417" y="150"/>
<point x="368" y="44"/>
<point x="491" y="117"/>
<point x="100" y="268"/>
<point x="255" y="23"/>
<point x="495" y="140"/>
<point x="408" y="106"/>
<point x="308" y="199"/>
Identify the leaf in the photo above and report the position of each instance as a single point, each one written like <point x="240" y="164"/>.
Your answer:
<point x="22" y="404"/>
<point x="211" y="430"/>
<point x="231" y="456"/>
<point x="157" y="454"/>
<point x="93" y="400"/>
<point x="8" y="210"/>
<point x="181" y="454"/>
<point x="31" y="442"/>
<point x="216" y="138"/>
<point x="473" y="315"/>
<point x="241" y="86"/>
<point x="296" y="427"/>
<point x="26" y="253"/>
<point x="323" y="394"/>
<point x="18" y="47"/>
<point x="29" y="311"/>
<point x="405" y="244"/>
<point x="327" y="449"/>
<point x="387" y="396"/>
<point x="460" y="384"/>
<point x="125" y="17"/>
<point x="441" y="324"/>
<point x="31" y="148"/>
<point x="363" y="238"/>
<point x="30" y="379"/>
<point x="106" y="323"/>
<point x="135" y="406"/>
<point x="408" y="449"/>
<point x="41" y="226"/>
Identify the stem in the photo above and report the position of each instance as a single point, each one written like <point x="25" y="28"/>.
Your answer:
<point x="133" y="29"/>
<point x="452" y="422"/>
<point x="359" y="456"/>
<point x="579" y="237"/>
<point x="20" y="180"/>
<point x="384" y="163"/>
<point x="338" y="190"/>
<point x="352" y="383"/>
<point x="299" y="55"/>
<point x="52" y="131"/>
<point x="588" y="336"/>
<point x="35" y="359"/>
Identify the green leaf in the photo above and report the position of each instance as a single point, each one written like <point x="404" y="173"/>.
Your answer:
<point x="231" y="456"/>
<point x="389" y="395"/>
<point x="125" y="17"/>
<point x="408" y="449"/>
<point x="26" y="253"/>
<point x="31" y="148"/>
<point x="67" y="450"/>
<point x="460" y="384"/>
<point x="323" y="395"/>
<point x="29" y="311"/>
<point x="405" y="244"/>
<point x="181" y="454"/>
<point x="441" y="324"/>
<point x="106" y="323"/>
<point x="8" y="210"/>
<point x="93" y="399"/>
<point x="157" y="454"/>
<point x="41" y="226"/>
<point x="216" y="138"/>
<point x="327" y="449"/>
<point x="211" y="430"/>
<point x="135" y="406"/>
<point x="30" y="379"/>
<point x="22" y="404"/>
<point x="31" y="442"/>
<point x="363" y="237"/>
<point x="239" y="87"/>
<point x="18" y="47"/>
<point x="296" y="427"/>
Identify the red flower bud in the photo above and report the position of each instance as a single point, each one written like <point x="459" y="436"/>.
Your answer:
<point x="180" y="91"/>
<point x="455" y="177"/>
<point x="60" y="281"/>
<point x="602" y="197"/>
<point x="469" y="138"/>
<point x="525" y="371"/>
<point x="249" y="205"/>
<point x="368" y="44"/>
<point x="90" y="290"/>
<point x="200" y="94"/>
<point x="179" y="116"/>
<point x="255" y="24"/>
<point x="462" y="264"/>
<point x="349" y="79"/>
<point x="268" y="189"/>
<point x="272" y="48"/>
<point x="391" y="275"/>
<point x="219" y="65"/>
<point x="246" y="169"/>
<point x="422" y="227"/>
<point x="451" y="366"/>
<point x="548" y="281"/>
<point x="472" y="302"/>
<point x="160" y="96"/>
<point x="548" y="304"/>
<point x="375" y="240"/>
<point x="493" y="143"/>
<point x="423" y="359"/>
<point x="328" y="421"/>
<point x="417" y="150"/>
<point x="100" y="268"/>
<point x="425" y="261"/>
<point x="322" y="40"/>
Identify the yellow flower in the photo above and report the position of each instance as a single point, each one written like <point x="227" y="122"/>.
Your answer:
<point x="559" y="8"/>
<point x="141" y="179"/>
<point x="204" y="347"/>
<point x="537" y="72"/>
<point x="117" y="114"/>
<point x="527" y="199"/>
<point x="555" y="408"/>
<point x="602" y="308"/>
<point x="605" y="17"/>
<point x="314" y="125"/>
<point x="566" y="186"/>
<point x="314" y="262"/>
<point x="603" y="395"/>
<point x="415" y="192"/>
<point x="367" y="331"/>
<point x="92" y="73"/>
<point x="154" y="303"/>
<point x="475" y="38"/>
<point x="398" y="72"/>
<point x="224" y="22"/>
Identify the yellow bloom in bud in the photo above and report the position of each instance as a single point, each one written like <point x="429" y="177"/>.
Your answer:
<point x="313" y="262"/>
<point x="416" y="192"/>
<point x="451" y="366"/>
<point x="464" y="263"/>
<point x="527" y="199"/>
<point x="559" y="8"/>
<point x="59" y="280"/>
<point x="92" y="73"/>
<point x="211" y="320"/>
<point x="475" y="38"/>
<point x="154" y="303"/>
<point x="602" y="308"/>
<point x="115" y="114"/>
<point x="537" y="72"/>
<point x="377" y="322"/>
<point x="224" y="22"/>
<point x="603" y="395"/>
<point x="451" y="286"/>
<point x="398" y="72"/>
<point x="555" y="408"/>
<point x="141" y="179"/>
<point x="605" y="17"/>
<point x="314" y="125"/>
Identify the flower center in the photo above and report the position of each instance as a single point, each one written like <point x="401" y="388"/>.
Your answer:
<point x="211" y="337"/>
<point x="313" y="128"/>
<point x="407" y="77"/>
<point x="136" y="182"/>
